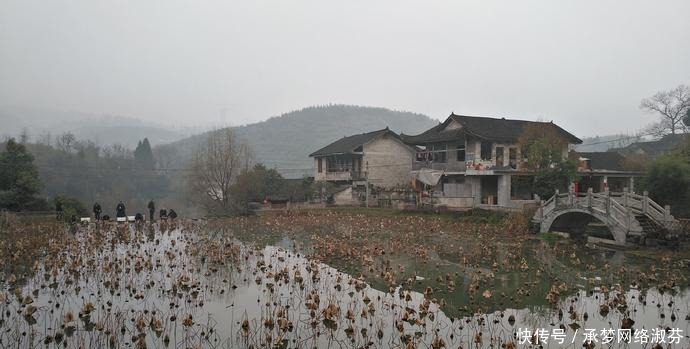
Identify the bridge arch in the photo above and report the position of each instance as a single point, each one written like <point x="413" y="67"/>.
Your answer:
<point x="618" y="233"/>
<point x="623" y="213"/>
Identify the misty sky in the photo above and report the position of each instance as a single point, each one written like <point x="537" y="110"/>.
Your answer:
<point x="583" y="64"/>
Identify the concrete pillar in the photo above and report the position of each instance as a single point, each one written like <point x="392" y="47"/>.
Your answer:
<point x="589" y="198"/>
<point x="625" y="197"/>
<point x="608" y="202"/>
<point x="645" y="199"/>
<point x="541" y="210"/>
<point x="632" y="184"/>
<point x="504" y="190"/>
<point x="475" y="182"/>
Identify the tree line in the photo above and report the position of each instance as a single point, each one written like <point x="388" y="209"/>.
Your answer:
<point x="35" y="174"/>
<point x="79" y="173"/>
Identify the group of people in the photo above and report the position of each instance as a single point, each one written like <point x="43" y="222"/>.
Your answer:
<point x="120" y="211"/>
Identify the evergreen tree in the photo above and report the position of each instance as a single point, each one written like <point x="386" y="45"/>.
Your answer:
<point x="143" y="155"/>
<point x="19" y="181"/>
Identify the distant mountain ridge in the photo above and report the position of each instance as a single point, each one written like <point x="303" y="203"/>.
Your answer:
<point x="102" y="129"/>
<point x="284" y="142"/>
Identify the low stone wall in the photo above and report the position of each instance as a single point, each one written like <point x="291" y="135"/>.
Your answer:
<point x="458" y="202"/>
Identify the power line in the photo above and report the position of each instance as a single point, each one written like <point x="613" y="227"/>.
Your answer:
<point x="181" y="169"/>
<point x="622" y="138"/>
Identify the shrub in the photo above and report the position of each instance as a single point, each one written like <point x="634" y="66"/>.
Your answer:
<point x="71" y="207"/>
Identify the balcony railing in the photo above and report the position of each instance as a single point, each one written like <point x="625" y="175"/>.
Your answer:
<point x="443" y="166"/>
<point x="338" y="176"/>
<point x="341" y="175"/>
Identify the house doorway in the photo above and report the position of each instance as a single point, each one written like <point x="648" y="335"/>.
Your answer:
<point x="489" y="190"/>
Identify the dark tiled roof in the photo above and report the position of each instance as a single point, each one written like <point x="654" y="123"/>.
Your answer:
<point x="653" y="148"/>
<point x="494" y="129"/>
<point x="434" y="134"/>
<point x="347" y="145"/>
<point x="604" y="160"/>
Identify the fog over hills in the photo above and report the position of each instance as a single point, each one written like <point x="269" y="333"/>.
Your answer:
<point x="285" y="142"/>
<point x="101" y="129"/>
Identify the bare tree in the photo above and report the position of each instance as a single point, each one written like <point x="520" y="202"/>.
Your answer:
<point x="215" y="166"/>
<point x="65" y="142"/>
<point x="673" y="106"/>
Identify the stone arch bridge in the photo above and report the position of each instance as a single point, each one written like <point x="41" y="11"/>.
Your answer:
<point x="624" y="213"/>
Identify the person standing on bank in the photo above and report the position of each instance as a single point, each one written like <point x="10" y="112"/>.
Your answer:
<point x="120" y="209"/>
<point x="152" y="210"/>
<point x="97" y="211"/>
<point x="58" y="209"/>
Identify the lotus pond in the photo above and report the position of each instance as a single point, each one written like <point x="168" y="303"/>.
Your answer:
<point x="333" y="279"/>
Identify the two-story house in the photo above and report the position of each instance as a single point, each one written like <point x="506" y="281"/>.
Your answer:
<point x="470" y="161"/>
<point x="380" y="158"/>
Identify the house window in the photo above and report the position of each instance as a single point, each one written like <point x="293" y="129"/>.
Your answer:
<point x="460" y="155"/>
<point x="512" y="158"/>
<point x="320" y="164"/>
<point x="342" y="165"/>
<point x="499" y="156"/>
<point x="486" y="150"/>
<point x="439" y="153"/>
<point x="525" y="153"/>
<point x="422" y="154"/>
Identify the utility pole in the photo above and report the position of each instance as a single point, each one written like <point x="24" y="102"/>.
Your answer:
<point x="366" y="177"/>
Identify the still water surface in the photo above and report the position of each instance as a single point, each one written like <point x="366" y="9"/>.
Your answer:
<point x="245" y="284"/>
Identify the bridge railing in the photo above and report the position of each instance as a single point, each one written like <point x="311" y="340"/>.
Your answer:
<point x="621" y="206"/>
<point x="643" y="204"/>
<point x="621" y="214"/>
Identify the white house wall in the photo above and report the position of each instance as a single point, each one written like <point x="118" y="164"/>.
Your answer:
<point x="389" y="162"/>
<point x="319" y="176"/>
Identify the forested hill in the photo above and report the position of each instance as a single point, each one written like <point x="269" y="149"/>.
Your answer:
<point x="285" y="141"/>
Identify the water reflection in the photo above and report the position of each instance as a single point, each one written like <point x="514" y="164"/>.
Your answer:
<point x="200" y="286"/>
